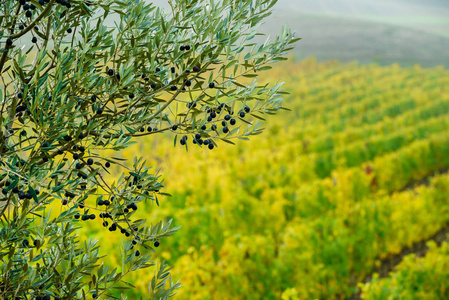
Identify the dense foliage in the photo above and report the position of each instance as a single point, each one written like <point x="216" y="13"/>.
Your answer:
<point x="73" y="86"/>
<point x="415" y="278"/>
<point x="308" y="208"/>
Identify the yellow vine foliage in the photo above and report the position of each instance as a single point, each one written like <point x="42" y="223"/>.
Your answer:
<point x="414" y="278"/>
<point x="306" y="209"/>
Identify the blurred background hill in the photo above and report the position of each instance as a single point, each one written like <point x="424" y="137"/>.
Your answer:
<point x="404" y="32"/>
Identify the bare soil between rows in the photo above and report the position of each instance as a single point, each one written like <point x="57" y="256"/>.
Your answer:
<point x="419" y="248"/>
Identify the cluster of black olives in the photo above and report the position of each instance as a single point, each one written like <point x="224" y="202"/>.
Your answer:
<point x="185" y="48"/>
<point x="173" y="87"/>
<point x="28" y="8"/>
<point x="212" y="114"/>
<point x="62" y="2"/>
<point x="16" y="190"/>
<point x="149" y="129"/>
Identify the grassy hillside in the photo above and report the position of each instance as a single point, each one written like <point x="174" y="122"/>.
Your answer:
<point x="347" y="39"/>
<point x="306" y="209"/>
